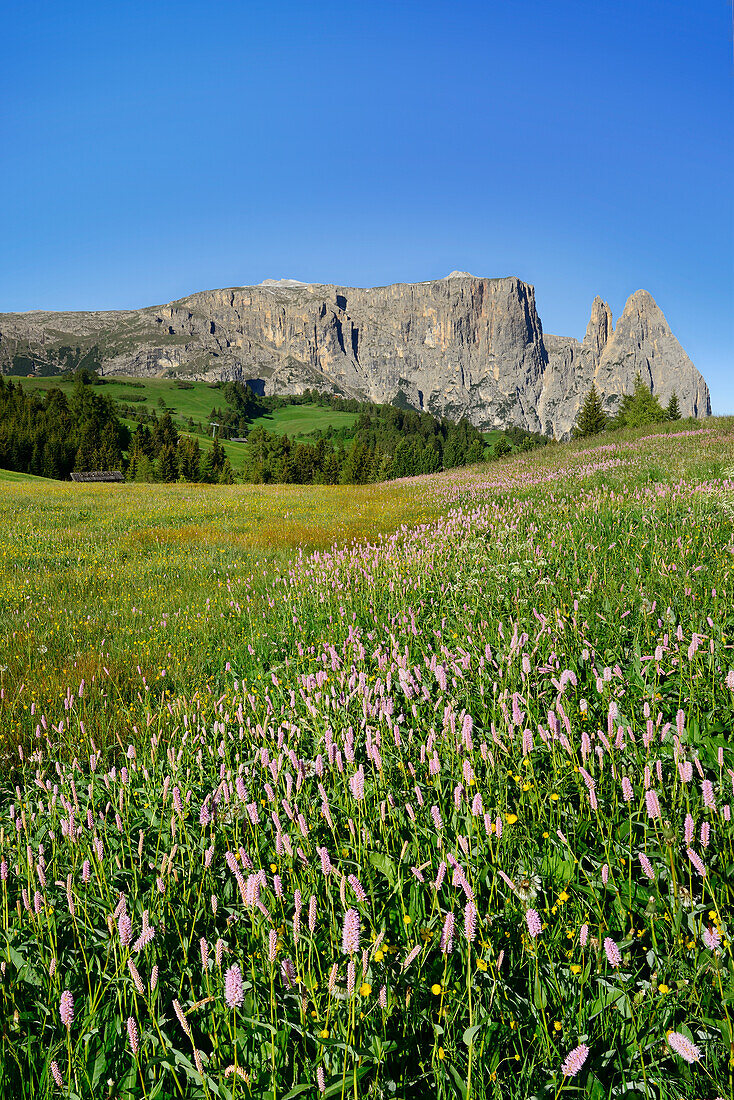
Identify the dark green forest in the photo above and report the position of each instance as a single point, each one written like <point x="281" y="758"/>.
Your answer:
<point x="50" y="434"/>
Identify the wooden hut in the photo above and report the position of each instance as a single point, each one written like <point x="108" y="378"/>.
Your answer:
<point x="97" y="475"/>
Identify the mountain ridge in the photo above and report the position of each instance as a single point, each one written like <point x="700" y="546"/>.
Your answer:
<point x="463" y="345"/>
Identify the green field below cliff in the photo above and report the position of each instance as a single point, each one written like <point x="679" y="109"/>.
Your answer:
<point x="197" y="403"/>
<point x="400" y="790"/>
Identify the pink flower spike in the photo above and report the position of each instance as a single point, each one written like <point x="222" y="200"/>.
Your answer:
<point x="613" y="953"/>
<point x="688" y="1051"/>
<point x="534" y="923"/>
<point x="66" y="1009"/>
<point x="575" y="1060"/>
<point x="132" y="1032"/>
<point x="711" y="938"/>
<point x="234" y="994"/>
<point x="350" y="932"/>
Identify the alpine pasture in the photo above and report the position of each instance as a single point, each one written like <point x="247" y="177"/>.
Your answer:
<point x="409" y="790"/>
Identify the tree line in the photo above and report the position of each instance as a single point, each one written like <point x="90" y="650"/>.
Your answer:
<point x="50" y="434"/>
<point x="386" y="443"/>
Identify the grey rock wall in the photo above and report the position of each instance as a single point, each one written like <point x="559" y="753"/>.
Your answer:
<point x="459" y="346"/>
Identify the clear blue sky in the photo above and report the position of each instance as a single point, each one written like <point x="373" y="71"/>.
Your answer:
<point x="153" y="149"/>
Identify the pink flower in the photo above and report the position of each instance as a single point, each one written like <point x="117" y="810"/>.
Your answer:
<point x="646" y="866"/>
<point x="132" y="1032"/>
<point x="272" y="945"/>
<point x="320" y="1079"/>
<point x="627" y="792"/>
<point x="575" y="1060"/>
<point x="688" y="829"/>
<point x="350" y="932"/>
<point x="697" y="862"/>
<point x="356" y="783"/>
<point x="357" y="887"/>
<point x="534" y="923"/>
<point x="583" y="934"/>
<point x="411" y="956"/>
<point x="613" y="953"/>
<point x="446" y="944"/>
<point x="712" y="938"/>
<point x="66" y="1009"/>
<point x="707" y="790"/>
<point x="56" y="1074"/>
<point x="684" y="1047"/>
<point x="125" y="929"/>
<point x="652" y="804"/>
<point x="470" y="921"/>
<point x="234" y="994"/>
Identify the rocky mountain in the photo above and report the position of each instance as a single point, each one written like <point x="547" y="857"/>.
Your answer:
<point x="461" y="346"/>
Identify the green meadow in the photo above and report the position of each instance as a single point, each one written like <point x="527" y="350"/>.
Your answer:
<point x="399" y="790"/>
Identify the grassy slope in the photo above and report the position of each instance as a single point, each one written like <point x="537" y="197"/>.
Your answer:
<point x="199" y="401"/>
<point x="13" y="475"/>
<point x="299" y="420"/>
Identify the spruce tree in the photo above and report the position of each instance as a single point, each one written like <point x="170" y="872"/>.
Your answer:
<point x="672" y="411"/>
<point x="639" y="409"/>
<point x="168" y="464"/>
<point x="592" y="419"/>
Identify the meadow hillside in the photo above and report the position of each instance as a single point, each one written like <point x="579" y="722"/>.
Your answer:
<point x="196" y="400"/>
<point x="419" y="789"/>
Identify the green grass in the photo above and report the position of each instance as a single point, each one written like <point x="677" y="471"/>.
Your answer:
<point x="13" y="475"/>
<point x="198" y="402"/>
<point x="298" y="421"/>
<point x="401" y="701"/>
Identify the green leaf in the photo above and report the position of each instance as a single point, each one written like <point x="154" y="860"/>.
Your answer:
<point x="385" y="866"/>
<point x="468" y="1036"/>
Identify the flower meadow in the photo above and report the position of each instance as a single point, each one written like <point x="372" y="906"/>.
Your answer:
<point x="426" y="792"/>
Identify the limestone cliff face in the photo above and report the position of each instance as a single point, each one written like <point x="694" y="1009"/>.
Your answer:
<point x="462" y="346"/>
<point x="611" y="359"/>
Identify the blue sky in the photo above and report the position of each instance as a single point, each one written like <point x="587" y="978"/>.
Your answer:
<point x="153" y="149"/>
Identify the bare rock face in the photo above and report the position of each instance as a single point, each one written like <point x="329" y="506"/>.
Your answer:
<point x="459" y="346"/>
<point x="611" y="359"/>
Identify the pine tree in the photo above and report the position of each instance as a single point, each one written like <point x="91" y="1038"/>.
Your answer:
<point x="592" y="418"/>
<point x="168" y="464"/>
<point x="639" y="408"/>
<point x="672" y="411"/>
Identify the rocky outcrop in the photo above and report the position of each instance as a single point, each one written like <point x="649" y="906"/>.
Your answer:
<point x="611" y="359"/>
<point x="460" y="346"/>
